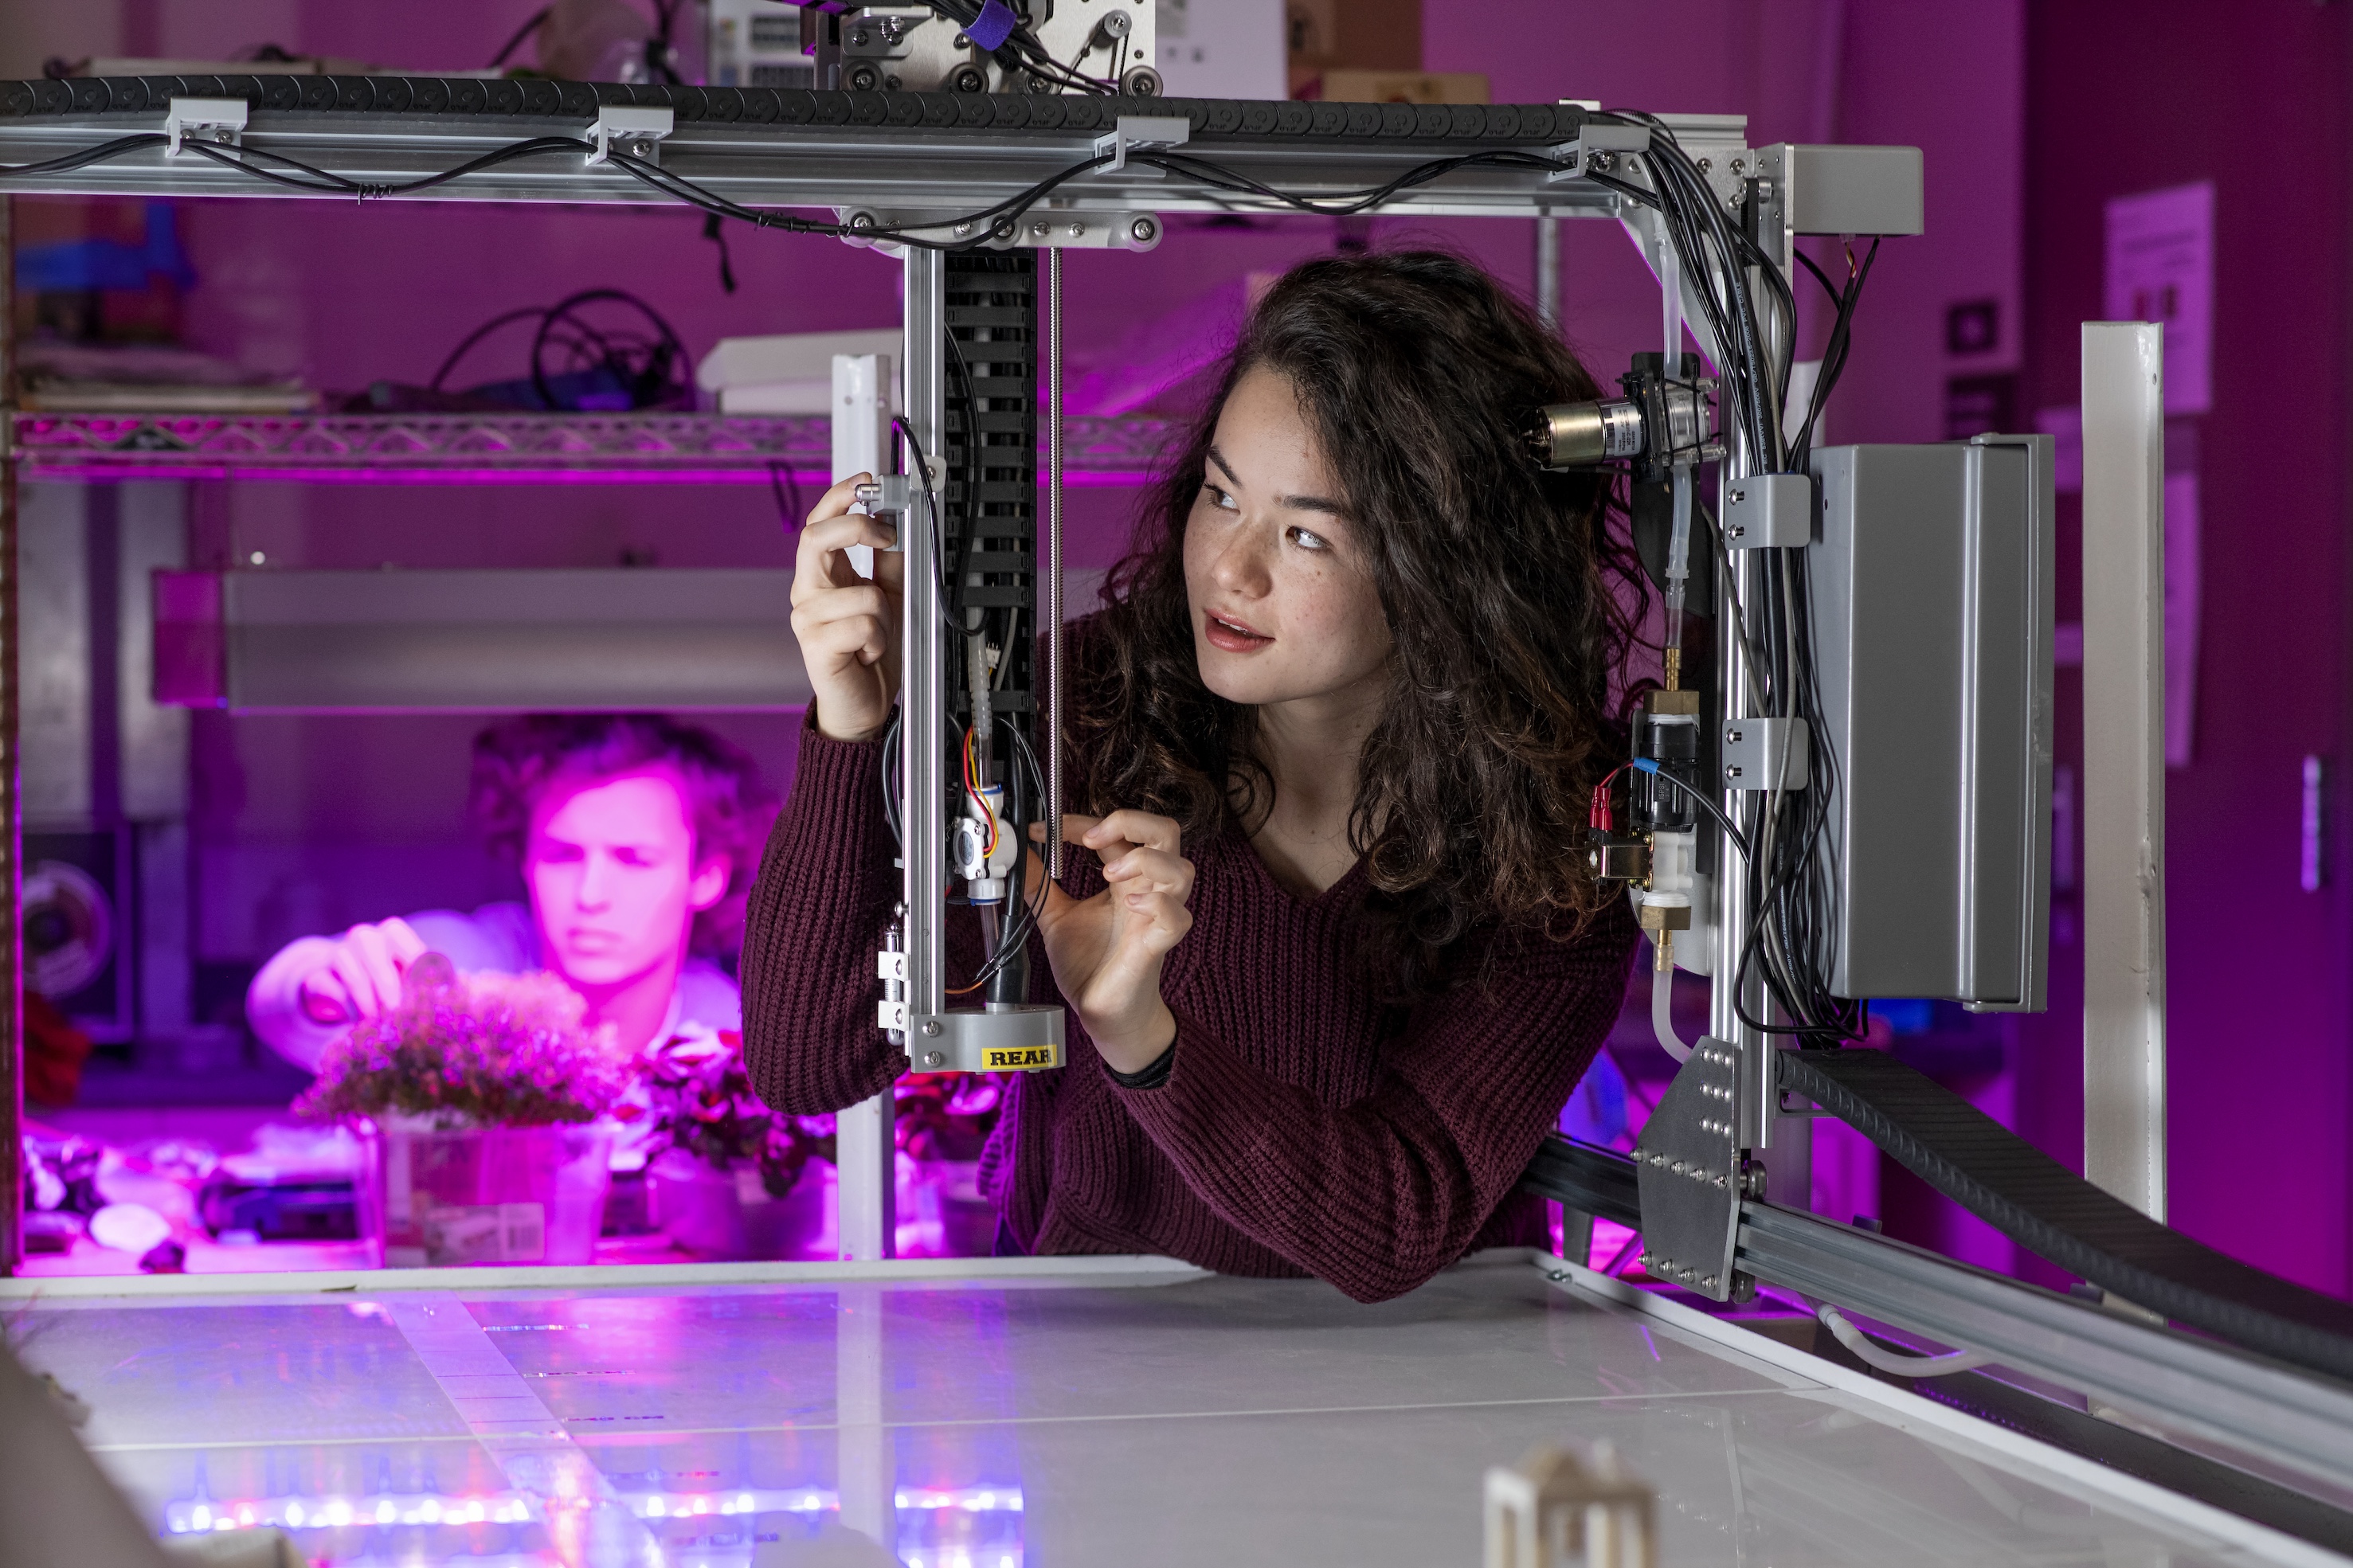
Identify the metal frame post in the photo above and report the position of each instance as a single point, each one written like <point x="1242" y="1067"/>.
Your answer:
<point x="1051" y="740"/>
<point x="2124" y="762"/>
<point x="12" y="824"/>
<point x="867" y="1147"/>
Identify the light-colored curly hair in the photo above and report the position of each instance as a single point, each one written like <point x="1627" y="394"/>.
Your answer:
<point x="517" y="761"/>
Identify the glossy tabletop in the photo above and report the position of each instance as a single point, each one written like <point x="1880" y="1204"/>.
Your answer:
<point x="1156" y="1417"/>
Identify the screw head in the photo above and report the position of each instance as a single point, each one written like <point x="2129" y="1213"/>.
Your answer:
<point x="1144" y="230"/>
<point x="934" y="1059"/>
<point x="1078" y="231"/>
<point x="931" y="1025"/>
<point x="1040" y="228"/>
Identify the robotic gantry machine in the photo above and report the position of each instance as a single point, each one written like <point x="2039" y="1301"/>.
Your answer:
<point x="1847" y="798"/>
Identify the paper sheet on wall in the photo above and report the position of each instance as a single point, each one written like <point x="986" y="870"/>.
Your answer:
<point x="2160" y="267"/>
<point x="2181" y="593"/>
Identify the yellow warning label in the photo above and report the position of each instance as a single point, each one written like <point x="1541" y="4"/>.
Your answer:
<point x="1017" y="1058"/>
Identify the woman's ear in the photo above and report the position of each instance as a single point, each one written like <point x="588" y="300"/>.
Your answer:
<point x="709" y="883"/>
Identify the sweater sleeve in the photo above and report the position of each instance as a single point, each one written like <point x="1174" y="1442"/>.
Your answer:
<point x="815" y="921"/>
<point x="1378" y="1195"/>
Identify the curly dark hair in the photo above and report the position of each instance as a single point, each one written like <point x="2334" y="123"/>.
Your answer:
<point x="1512" y="597"/>
<point x="517" y="761"/>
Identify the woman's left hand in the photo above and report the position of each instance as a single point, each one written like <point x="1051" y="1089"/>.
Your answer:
<point x="1107" y="951"/>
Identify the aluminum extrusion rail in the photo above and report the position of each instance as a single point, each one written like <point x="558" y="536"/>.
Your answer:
<point x="2244" y="1401"/>
<point x="901" y="155"/>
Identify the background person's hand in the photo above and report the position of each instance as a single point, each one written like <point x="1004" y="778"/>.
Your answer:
<point x="362" y="974"/>
<point x="847" y="626"/>
<point x="1107" y="951"/>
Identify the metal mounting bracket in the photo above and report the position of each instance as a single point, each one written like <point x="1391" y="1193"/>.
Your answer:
<point x="1137" y="132"/>
<point x="220" y="120"/>
<point x="1601" y="147"/>
<point x="1687" y="1171"/>
<point x="631" y="130"/>
<point x="1756" y="752"/>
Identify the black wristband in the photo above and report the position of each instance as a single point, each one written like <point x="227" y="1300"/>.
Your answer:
<point x="1151" y="1075"/>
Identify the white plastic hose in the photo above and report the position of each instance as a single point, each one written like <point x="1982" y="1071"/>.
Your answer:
<point x="1897" y="1361"/>
<point x="1663" y="1019"/>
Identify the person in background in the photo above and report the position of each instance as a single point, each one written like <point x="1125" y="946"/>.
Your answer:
<point x="637" y="837"/>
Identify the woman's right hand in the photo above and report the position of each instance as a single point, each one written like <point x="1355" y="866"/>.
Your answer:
<point x="362" y="973"/>
<point x="847" y="626"/>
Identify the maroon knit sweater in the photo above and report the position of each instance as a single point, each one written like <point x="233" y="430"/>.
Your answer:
<point x="1305" y="1128"/>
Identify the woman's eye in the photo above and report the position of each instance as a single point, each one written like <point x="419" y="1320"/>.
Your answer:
<point x="1220" y="498"/>
<point x="1306" y="541"/>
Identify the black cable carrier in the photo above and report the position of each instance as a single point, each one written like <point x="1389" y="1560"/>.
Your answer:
<point x="1212" y="119"/>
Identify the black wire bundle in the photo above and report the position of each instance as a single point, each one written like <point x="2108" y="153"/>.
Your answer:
<point x="1796" y="899"/>
<point x="652" y="369"/>
<point x="1786" y="945"/>
<point x="1022" y="51"/>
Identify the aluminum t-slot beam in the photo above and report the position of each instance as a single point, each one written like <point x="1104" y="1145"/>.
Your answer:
<point x="942" y="172"/>
<point x="939" y="1038"/>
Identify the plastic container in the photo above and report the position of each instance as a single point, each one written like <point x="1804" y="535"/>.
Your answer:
<point x="728" y="1214"/>
<point x="434" y="1198"/>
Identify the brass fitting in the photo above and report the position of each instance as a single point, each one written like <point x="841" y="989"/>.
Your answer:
<point x="1657" y="918"/>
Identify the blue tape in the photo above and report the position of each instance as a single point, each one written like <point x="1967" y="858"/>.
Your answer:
<point x="993" y="26"/>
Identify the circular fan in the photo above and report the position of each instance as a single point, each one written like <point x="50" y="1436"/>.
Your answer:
<point x="68" y="929"/>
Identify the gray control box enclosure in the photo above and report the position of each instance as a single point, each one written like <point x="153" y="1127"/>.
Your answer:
<point x="1930" y="589"/>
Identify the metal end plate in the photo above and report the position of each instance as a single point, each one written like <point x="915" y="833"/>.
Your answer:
<point x="1687" y="1170"/>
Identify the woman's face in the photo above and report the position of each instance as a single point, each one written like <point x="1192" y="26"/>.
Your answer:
<point x="1283" y="607"/>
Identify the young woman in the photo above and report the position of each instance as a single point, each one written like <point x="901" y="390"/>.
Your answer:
<point x="1336" y="962"/>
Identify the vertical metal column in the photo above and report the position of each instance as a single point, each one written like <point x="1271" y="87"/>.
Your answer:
<point x="1051" y="740"/>
<point x="12" y="826"/>
<point x="1548" y="273"/>
<point x="922" y="692"/>
<point x="867" y="1147"/>
<point x="2124" y="762"/>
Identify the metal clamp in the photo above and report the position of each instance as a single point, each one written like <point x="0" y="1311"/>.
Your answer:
<point x="220" y="120"/>
<point x="1598" y="147"/>
<point x="1756" y="752"/>
<point x="1137" y="133"/>
<point x="631" y="130"/>
<point x="1768" y="511"/>
<point x="1025" y="1037"/>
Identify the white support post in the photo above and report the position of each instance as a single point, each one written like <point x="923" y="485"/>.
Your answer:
<point x="2124" y="762"/>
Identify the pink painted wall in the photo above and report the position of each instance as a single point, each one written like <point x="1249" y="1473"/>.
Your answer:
<point x="2258" y="1012"/>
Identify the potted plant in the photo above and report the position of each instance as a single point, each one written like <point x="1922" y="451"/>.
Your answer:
<point x="722" y="1165"/>
<point x="480" y="1102"/>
